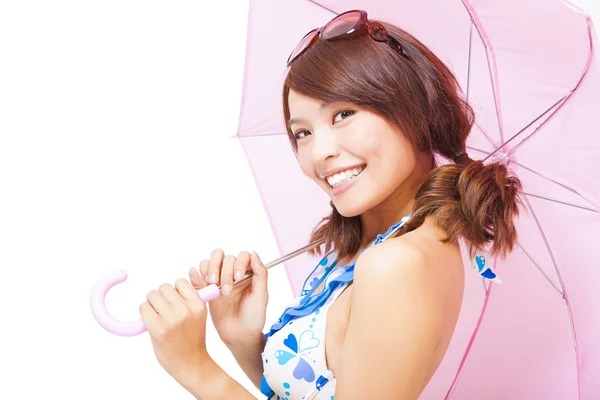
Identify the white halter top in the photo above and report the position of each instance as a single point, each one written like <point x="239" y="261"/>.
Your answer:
<point x="294" y="355"/>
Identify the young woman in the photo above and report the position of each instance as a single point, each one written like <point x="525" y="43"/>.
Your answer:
<point x="365" y="112"/>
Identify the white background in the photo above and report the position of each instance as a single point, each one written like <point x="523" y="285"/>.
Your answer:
<point x="115" y="118"/>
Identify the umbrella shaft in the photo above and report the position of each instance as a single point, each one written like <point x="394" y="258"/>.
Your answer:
<point x="284" y="258"/>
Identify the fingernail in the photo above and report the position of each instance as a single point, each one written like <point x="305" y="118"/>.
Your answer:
<point x="238" y="275"/>
<point x="212" y="278"/>
<point x="226" y="290"/>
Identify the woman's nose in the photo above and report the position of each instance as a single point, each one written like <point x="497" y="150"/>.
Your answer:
<point x="324" y="145"/>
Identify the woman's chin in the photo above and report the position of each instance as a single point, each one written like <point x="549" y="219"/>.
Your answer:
<point x="347" y="208"/>
<point x="350" y="203"/>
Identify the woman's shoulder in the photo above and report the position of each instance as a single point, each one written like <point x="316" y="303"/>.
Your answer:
<point x="420" y="248"/>
<point x="415" y="265"/>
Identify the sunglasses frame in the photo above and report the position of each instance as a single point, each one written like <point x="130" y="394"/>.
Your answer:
<point x="362" y="27"/>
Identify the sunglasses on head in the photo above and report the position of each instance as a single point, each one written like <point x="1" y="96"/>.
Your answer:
<point x="346" y="25"/>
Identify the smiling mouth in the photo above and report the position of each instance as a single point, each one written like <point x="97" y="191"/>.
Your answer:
<point x="344" y="177"/>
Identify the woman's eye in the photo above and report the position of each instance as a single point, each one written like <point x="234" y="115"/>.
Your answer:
<point x="346" y="112"/>
<point x="297" y="133"/>
<point x="342" y="112"/>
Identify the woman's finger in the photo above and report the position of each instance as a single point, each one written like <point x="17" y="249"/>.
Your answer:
<point x="196" y="280"/>
<point x="259" y="275"/>
<point x="242" y="266"/>
<point x="227" y="275"/>
<point x="151" y="319"/>
<point x="214" y="266"/>
<point x="187" y="292"/>
<point x="203" y="268"/>
<point x="169" y="293"/>
<point x="158" y="303"/>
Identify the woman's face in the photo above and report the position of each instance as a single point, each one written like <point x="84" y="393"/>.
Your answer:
<point x="343" y="137"/>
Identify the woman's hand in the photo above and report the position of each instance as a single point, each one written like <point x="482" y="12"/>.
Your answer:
<point x="239" y="313"/>
<point x="176" y="321"/>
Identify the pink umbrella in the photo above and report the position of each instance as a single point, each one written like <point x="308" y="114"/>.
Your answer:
<point x="530" y="73"/>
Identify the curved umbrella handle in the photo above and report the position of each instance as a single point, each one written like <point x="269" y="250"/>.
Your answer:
<point x="131" y="328"/>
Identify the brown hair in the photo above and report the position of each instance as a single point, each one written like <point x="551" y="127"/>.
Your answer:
<point x="421" y="97"/>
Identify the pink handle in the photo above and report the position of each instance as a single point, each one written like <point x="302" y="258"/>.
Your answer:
<point x="209" y="293"/>
<point x="131" y="328"/>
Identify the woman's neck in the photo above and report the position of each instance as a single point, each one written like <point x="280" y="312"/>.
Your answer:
<point x="399" y="204"/>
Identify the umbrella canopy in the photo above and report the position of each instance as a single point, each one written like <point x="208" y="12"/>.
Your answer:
<point x="531" y="73"/>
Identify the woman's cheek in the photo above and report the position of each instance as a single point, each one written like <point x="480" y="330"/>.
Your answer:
<point x="307" y="167"/>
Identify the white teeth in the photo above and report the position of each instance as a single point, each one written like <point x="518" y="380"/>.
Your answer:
<point x="341" y="177"/>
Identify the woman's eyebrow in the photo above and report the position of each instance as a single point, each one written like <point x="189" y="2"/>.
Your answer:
<point x="321" y="108"/>
<point x="295" y="120"/>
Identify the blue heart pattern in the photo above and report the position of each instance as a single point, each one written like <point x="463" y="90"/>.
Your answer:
<point x="486" y="272"/>
<point x="311" y="285"/>
<point x="308" y="341"/>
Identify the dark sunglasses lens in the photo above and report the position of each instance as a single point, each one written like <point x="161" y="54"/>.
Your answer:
<point x="341" y="24"/>
<point x="303" y="44"/>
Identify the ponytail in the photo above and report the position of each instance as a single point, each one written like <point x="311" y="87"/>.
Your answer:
<point x="471" y="200"/>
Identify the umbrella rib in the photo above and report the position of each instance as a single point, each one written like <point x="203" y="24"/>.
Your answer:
<point x="550" y="179"/>
<point x="546" y="244"/>
<point x="539" y="269"/>
<point x="485" y="287"/>
<point x="469" y="60"/>
<point x="527" y="126"/>
<point x="487" y="297"/>
<point x="565" y="98"/>
<point x="479" y="150"/>
<point x="572" y="190"/>
<point x="472" y="340"/>
<point x="563" y="292"/>
<point x="561" y="202"/>
<point x="485" y="134"/>
<point x="257" y="135"/>
<point x="491" y="65"/>
<point x="323" y="7"/>
<point x="469" y="84"/>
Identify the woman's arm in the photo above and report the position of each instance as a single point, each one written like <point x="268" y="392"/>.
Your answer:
<point x="248" y="356"/>
<point x="396" y="321"/>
